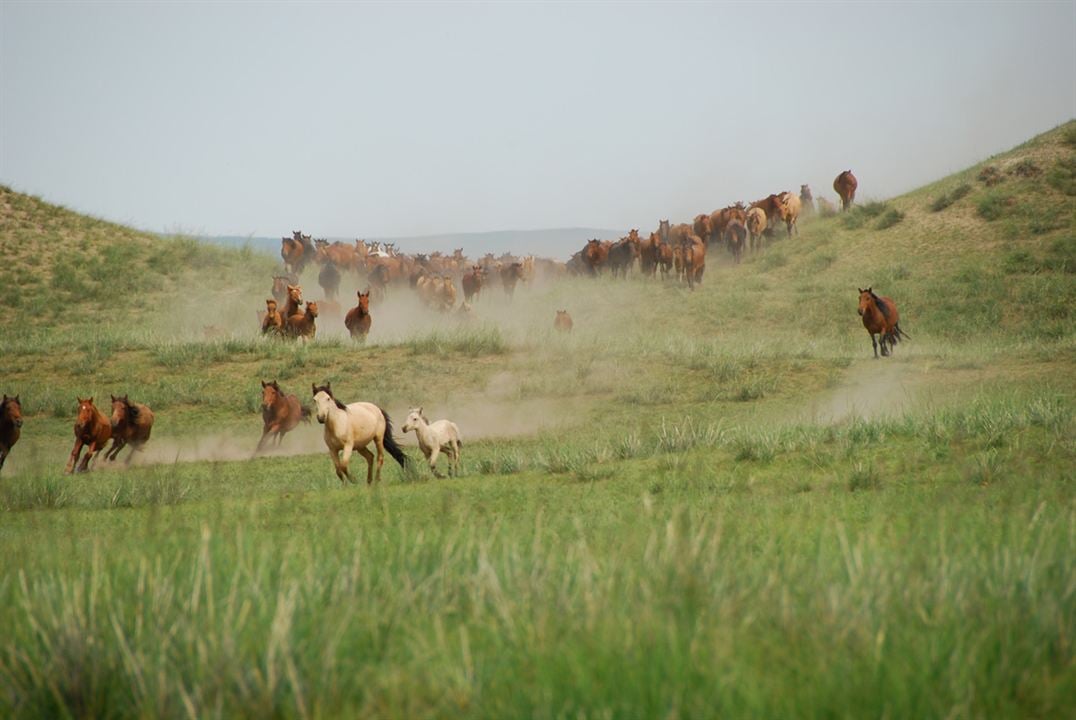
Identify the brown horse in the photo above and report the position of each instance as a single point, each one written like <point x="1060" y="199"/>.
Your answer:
<point x="273" y="322"/>
<point x="881" y="318"/>
<point x="93" y="430"/>
<point x="292" y="305"/>
<point x="845" y="184"/>
<point x="280" y="413"/>
<point x="807" y="201"/>
<point x="131" y="423"/>
<point x="563" y="321"/>
<point x="10" y="425"/>
<point x="595" y="253"/>
<point x="694" y="253"/>
<point x="280" y="287"/>
<point x="357" y="321"/>
<point x="736" y="237"/>
<point x="472" y="282"/>
<point x="510" y="275"/>
<point x="302" y="325"/>
<point x="297" y="251"/>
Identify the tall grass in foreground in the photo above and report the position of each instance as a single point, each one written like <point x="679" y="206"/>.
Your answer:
<point x="670" y="610"/>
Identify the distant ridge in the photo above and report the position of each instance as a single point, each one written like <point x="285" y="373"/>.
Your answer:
<point x="558" y="243"/>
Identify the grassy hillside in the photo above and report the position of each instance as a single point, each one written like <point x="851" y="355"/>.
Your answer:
<point x="700" y="503"/>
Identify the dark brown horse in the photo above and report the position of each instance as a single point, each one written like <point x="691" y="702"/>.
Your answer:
<point x="736" y="237"/>
<point x="280" y="413"/>
<point x="131" y="424"/>
<point x="357" y="321"/>
<point x="329" y="279"/>
<point x="845" y="184"/>
<point x="10" y="425"/>
<point x="510" y="275"/>
<point x="93" y="430"/>
<point x="881" y="318"/>
<point x="472" y="282"/>
<point x="595" y="253"/>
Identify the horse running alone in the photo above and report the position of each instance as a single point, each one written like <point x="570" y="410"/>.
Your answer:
<point x="435" y="438"/>
<point x="350" y="428"/>
<point x="881" y="318"/>
<point x="92" y="430"/>
<point x="358" y="320"/>
<point x="131" y="424"/>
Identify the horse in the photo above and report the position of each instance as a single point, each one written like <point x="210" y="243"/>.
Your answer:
<point x="301" y="325"/>
<point x="880" y="317"/>
<point x="472" y="282"/>
<point x="694" y="254"/>
<point x="296" y="251"/>
<point x="845" y="184"/>
<point x="595" y="253"/>
<point x="329" y="279"/>
<point x="790" y="211"/>
<point x="351" y="428"/>
<point x="771" y="205"/>
<point x="273" y="322"/>
<point x="510" y="275"/>
<point x="280" y="413"/>
<point x="10" y="425"/>
<point x="622" y="256"/>
<point x="807" y="201"/>
<point x="357" y="321"/>
<point x="280" y="287"/>
<point x="93" y="430"/>
<point x="131" y="423"/>
<point x="291" y="307"/>
<point x="562" y="322"/>
<point x="435" y="438"/>
<point x="756" y="225"/>
<point x="736" y="237"/>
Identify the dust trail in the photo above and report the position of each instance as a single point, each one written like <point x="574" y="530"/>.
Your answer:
<point x="870" y="389"/>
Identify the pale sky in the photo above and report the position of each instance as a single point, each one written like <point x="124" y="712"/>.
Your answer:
<point x="349" y="119"/>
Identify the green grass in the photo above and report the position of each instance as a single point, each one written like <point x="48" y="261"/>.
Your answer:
<point x="698" y="504"/>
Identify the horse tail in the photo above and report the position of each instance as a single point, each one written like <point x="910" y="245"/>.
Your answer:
<point x="900" y="333"/>
<point x="304" y="413"/>
<point x="390" y="442"/>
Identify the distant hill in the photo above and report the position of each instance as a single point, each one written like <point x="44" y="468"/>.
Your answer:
<point x="558" y="243"/>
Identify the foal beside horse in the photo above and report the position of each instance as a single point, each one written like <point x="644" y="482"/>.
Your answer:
<point x="280" y="413"/>
<point x="131" y="423"/>
<point x="10" y="425"/>
<point x="435" y="438"/>
<point x="93" y="430"/>
<point x="881" y="318"/>
<point x="351" y="428"/>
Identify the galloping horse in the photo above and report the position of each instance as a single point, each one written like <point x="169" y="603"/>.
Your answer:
<point x="357" y="321"/>
<point x="131" y="423"/>
<point x="351" y="428"/>
<point x="280" y="413"/>
<point x="93" y="430"/>
<point x="435" y="438"/>
<point x="881" y="318"/>
<point x="10" y="425"/>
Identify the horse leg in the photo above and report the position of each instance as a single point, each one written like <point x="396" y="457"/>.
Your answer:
<point x="74" y="456"/>
<point x="380" y="443"/>
<point x="435" y="453"/>
<point x="3" y="456"/>
<point x="365" y="452"/>
<point x="345" y="458"/>
<point x="113" y="452"/>
<point x="91" y="451"/>
<point x="875" y="344"/>
<point x="265" y="433"/>
<point x="881" y="341"/>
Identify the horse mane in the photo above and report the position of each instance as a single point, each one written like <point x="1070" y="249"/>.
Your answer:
<point x="325" y="389"/>
<point x="132" y="411"/>
<point x="881" y="305"/>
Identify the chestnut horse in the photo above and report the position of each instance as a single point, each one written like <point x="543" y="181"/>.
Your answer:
<point x="845" y="184"/>
<point x="131" y="423"/>
<point x="472" y="282"/>
<point x="93" y="430"/>
<point x="881" y="318"/>
<point x="294" y="302"/>
<point x="273" y="321"/>
<point x="280" y="413"/>
<point x="694" y="254"/>
<point x="10" y="425"/>
<point x="357" y="321"/>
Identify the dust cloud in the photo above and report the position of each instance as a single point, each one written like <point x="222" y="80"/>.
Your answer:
<point x="870" y="389"/>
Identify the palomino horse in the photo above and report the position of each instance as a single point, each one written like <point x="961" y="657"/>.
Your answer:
<point x="881" y="318"/>
<point x="10" y="425"/>
<point x="131" y="423"/>
<point x="280" y="413"/>
<point x="93" y="430"/>
<point x="351" y="428"/>
<point x="435" y="438"/>
<point x="845" y="184"/>
<point x="357" y="321"/>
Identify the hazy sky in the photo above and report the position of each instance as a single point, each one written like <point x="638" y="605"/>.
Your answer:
<point x="399" y="119"/>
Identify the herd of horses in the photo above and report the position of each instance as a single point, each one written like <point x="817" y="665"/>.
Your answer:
<point x="671" y="249"/>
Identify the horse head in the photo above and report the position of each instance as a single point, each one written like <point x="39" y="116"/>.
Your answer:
<point x="11" y="410"/>
<point x="414" y="419"/>
<point x="866" y="300"/>
<point x="87" y="412"/>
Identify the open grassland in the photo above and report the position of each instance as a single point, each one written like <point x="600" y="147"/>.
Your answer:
<point x="698" y="504"/>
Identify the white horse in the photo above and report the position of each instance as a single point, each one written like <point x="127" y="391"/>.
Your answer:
<point x="434" y="438"/>
<point x="352" y="427"/>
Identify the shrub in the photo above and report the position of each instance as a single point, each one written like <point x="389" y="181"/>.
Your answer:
<point x="1062" y="176"/>
<point x="994" y="206"/>
<point x="889" y="219"/>
<point x="990" y="176"/>
<point x="947" y="199"/>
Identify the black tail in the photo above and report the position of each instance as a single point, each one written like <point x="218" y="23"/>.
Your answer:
<point x="304" y="413"/>
<point x="390" y="442"/>
<point x="900" y="333"/>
